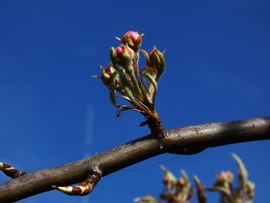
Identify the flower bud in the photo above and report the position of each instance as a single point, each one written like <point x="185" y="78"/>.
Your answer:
<point x="133" y="40"/>
<point x="225" y="176"/>
<point x="182" y="182"/>
<point x="171" y="178"/>
<point x="108" y="75"/>
<point x="122" y="55"/>
<point x="224" y="179"/>
<point x="155" y="59"/>
<point x="166" y="180"/>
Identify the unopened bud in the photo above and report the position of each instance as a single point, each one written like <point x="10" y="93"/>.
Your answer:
<point x="182" y="182"/>
<point x="133" y="40"/>
<point x="171" y="178"/>
<point x="225" y="176"/>
<point x="155" y="59"/>
<point x="122" y="55"/>
<point x="166" y="180"/>
<point x="108" y="75"/>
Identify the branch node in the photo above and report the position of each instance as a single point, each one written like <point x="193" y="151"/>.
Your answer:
<point x="84" y="188"/>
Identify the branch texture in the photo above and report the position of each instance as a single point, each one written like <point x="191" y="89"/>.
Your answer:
<point x="187" y="140"/>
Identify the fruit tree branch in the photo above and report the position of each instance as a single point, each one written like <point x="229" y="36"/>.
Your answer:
<point x="187" y="140"/>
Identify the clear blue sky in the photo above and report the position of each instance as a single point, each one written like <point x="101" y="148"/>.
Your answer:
<point x="218" y="67"/>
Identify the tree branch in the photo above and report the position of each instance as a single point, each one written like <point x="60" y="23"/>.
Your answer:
<point x="187" y="140"/>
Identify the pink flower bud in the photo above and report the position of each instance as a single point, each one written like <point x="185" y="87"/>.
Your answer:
<point x="123" y="53"/>
<point x="156" y="61"/>
<point x="130" y="36"/>
<point x="133" y="40"/>
<point x="155" y="57"/>
<point x="182" y="182"/>
<point x="225" y="176"/>
<point x="151" y="54"/>
<point x="168" y="175"/>
<point x="166" y="180"/>
<point x="106" y="75"/>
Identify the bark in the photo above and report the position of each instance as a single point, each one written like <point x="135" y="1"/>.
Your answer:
<point x="187" y="140"/>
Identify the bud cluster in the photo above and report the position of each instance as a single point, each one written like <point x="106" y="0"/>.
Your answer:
<point x="176" y="190"/>
<point x="244" y="193"/>
<point x="180" y="190"/>
<point x="139" y="87"/>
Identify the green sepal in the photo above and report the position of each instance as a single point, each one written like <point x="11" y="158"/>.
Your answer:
<point x="112" y="98"/>
<point x="150" y="79"/>
<point x="113" y="55"/>
<point x="242" y="173"/>
<point x="162" y="64"/>
<point x="125" y="84"/>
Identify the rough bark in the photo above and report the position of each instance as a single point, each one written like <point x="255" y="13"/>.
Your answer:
<point x="187" y="140"/>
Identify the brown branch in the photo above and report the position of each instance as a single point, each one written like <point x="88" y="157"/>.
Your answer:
<point x="187" y="140"/>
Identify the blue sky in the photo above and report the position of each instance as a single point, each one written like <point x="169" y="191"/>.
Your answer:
<point x="218" y="67"/>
